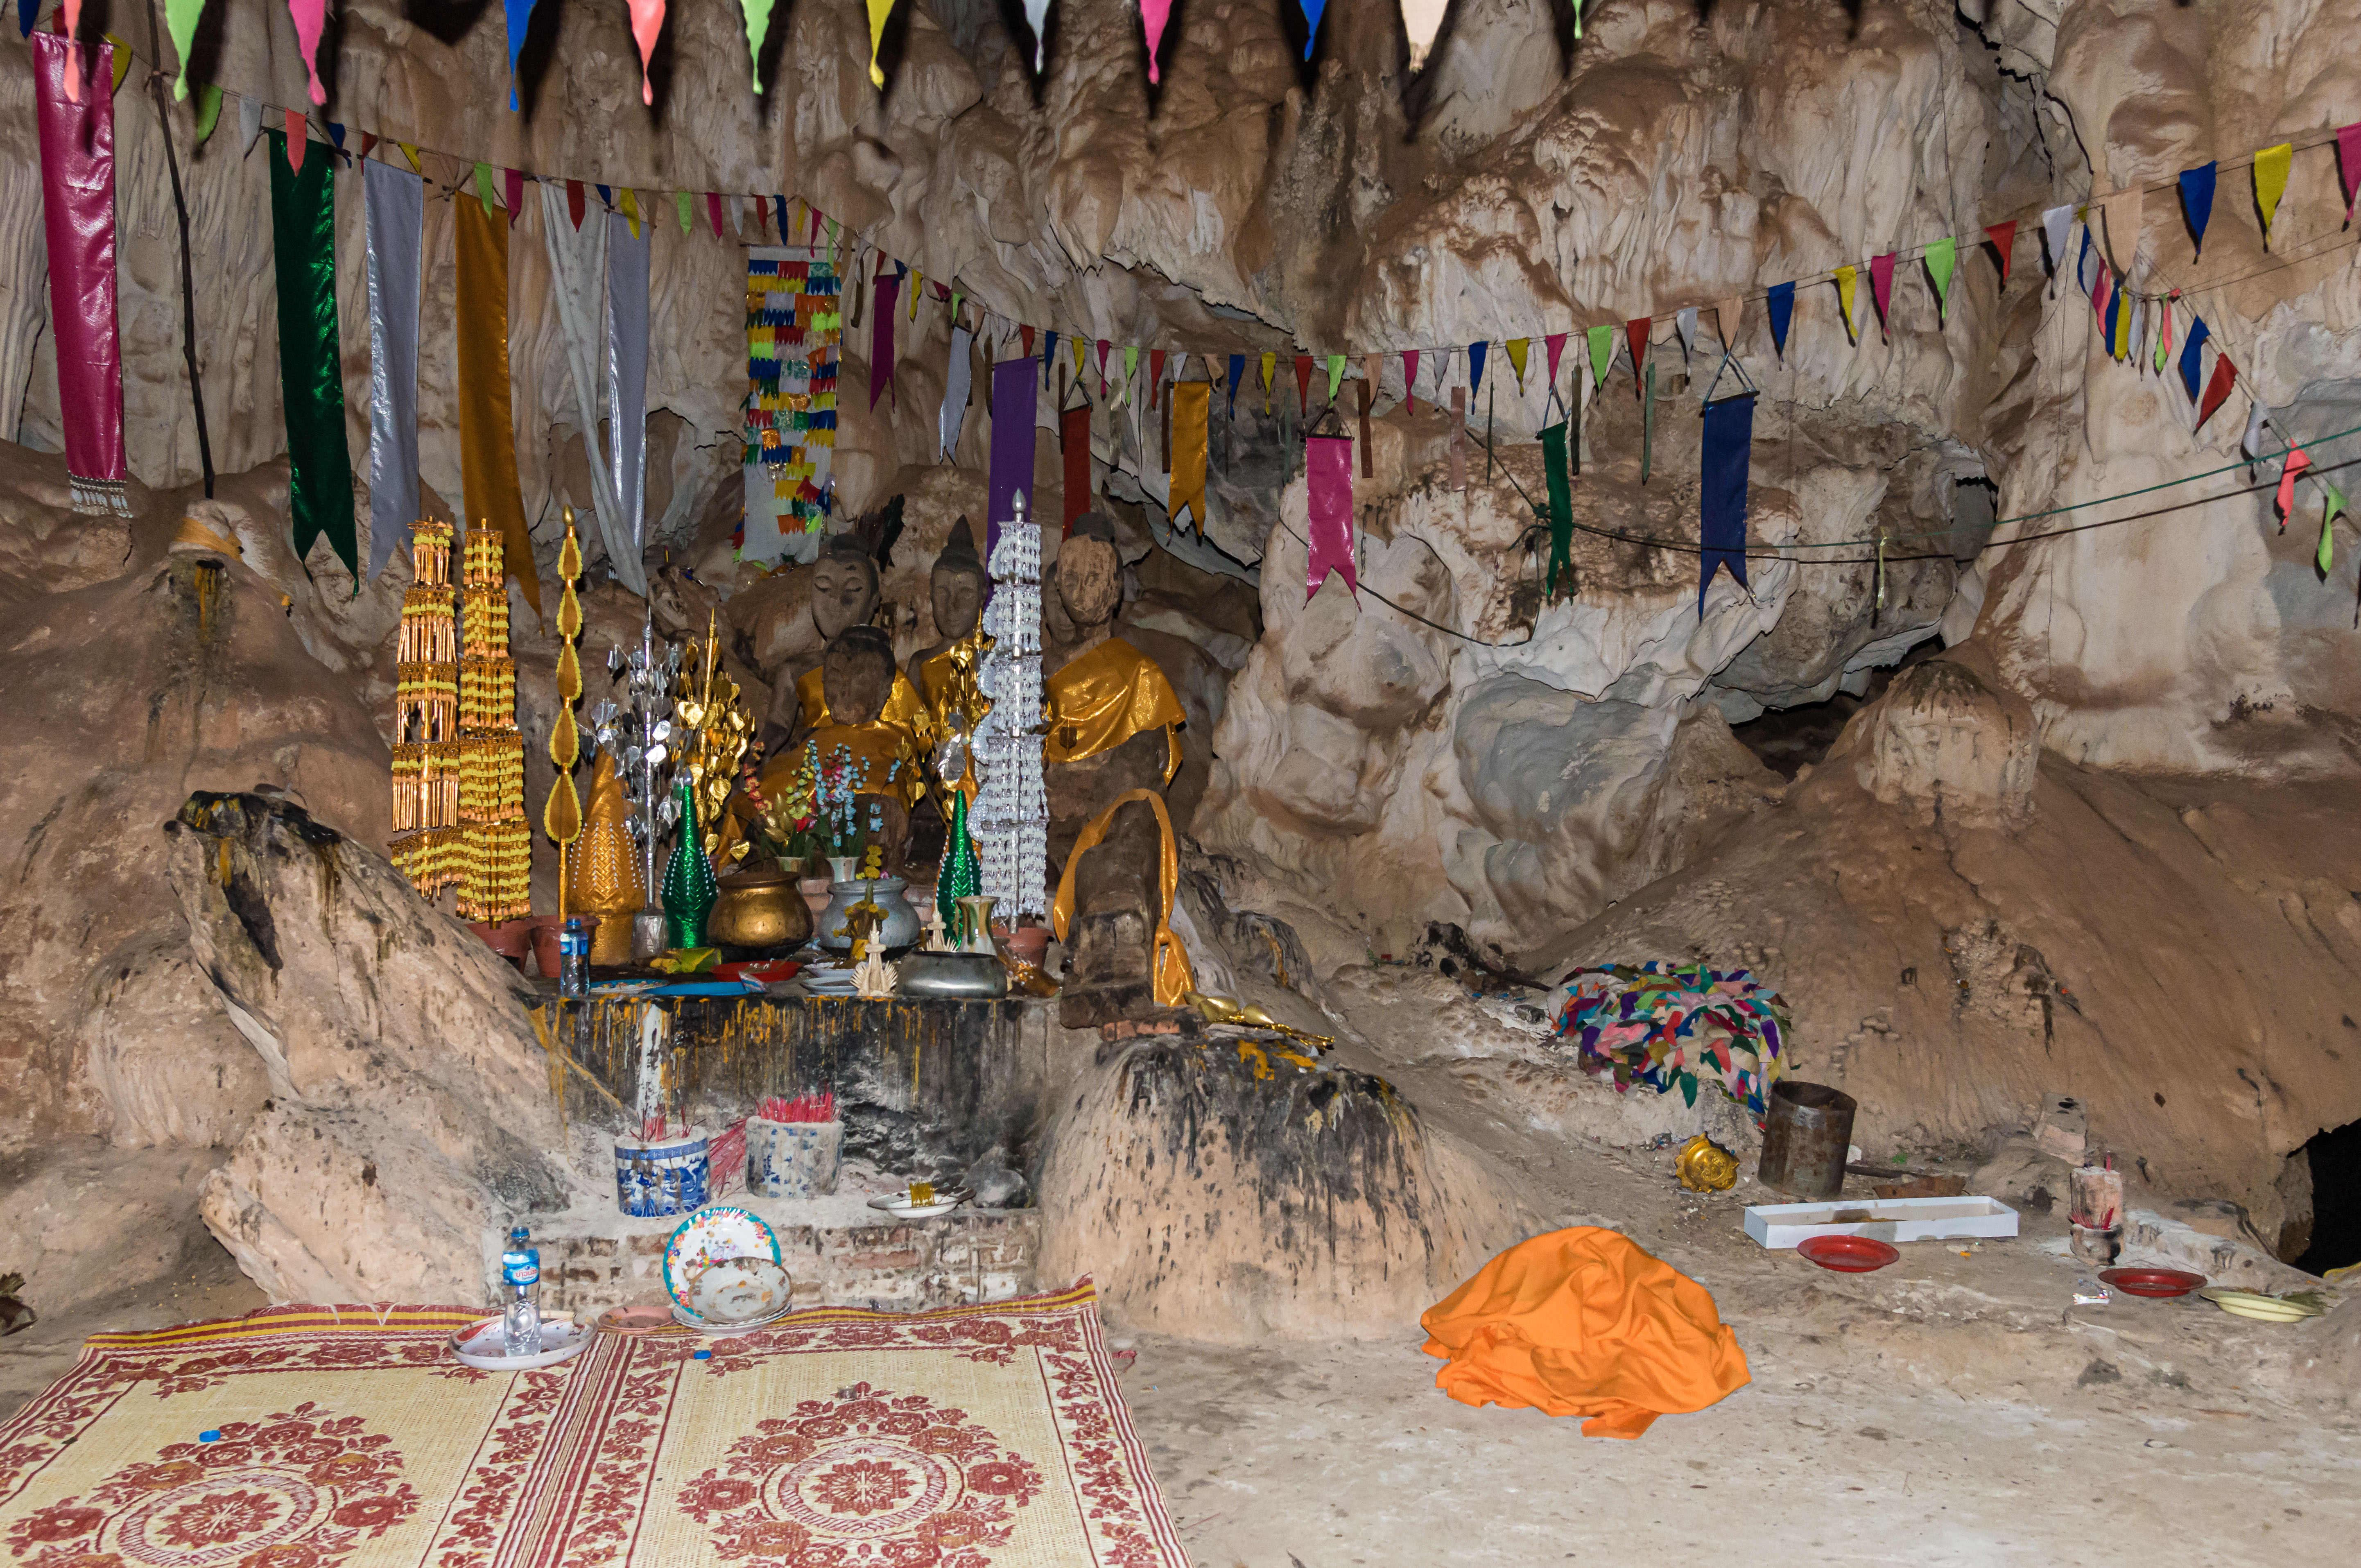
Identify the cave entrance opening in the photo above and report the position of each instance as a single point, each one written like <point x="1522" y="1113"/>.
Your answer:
<point x="2335" y="1157"/>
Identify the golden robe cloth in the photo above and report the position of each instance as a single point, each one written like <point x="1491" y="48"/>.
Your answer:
<point x="947" y="681"/>
<point x="1174" y="979"/>
<point x="904" y="707"/>
<point x="1105" y="696"/>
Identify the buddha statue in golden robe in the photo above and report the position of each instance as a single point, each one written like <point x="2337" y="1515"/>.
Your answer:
<point x="844" y="594"/>
<point x="1112" y="746"/>
<point x="882" y="761"/>
<point x="602" y="870"/>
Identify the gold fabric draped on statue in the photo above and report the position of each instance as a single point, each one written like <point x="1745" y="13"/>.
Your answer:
<point x="1104" y="699"/>
<point x="904" y="708"/>
<point x="602" y="871"/>
<point x="947" y="682"/>
<point x="1174" y="979"/>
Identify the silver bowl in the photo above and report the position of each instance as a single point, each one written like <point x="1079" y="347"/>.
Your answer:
<point x="957" y="976"/>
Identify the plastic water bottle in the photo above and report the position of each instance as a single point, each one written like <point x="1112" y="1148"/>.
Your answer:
<point x="574" y="960"/>
<point x="520" y="1277"/>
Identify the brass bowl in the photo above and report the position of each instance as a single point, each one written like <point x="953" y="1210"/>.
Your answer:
<point x="759" y="909"/>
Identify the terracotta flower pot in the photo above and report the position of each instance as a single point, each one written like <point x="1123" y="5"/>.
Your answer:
<point x="510" y="938"/>
<point x="1028" y="944"/>
<point x="545" y="932"/>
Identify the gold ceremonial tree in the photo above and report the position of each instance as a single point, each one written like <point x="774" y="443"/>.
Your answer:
<point x="561" y="818"/>
<point x="714" y="730"/>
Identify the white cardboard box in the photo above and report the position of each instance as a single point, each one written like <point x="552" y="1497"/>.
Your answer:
<point x="1783" y="1225"/>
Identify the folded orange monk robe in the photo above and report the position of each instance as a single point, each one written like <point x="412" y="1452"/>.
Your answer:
<point x="1582" y="1322"/>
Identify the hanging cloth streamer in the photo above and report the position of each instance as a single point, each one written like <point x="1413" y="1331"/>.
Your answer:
<point x="78" y="221"/>
<point x="627" y="398"/>
<point x="310" y="16"/>
<point x="2055" y="223"/>
<point x="1074" y="443"/>
<point x="879" y="10"/>
<point x="1601" y="342"/>
<point x="394" y="204"/>
<point x="881" y="340"/>
<point x="1941" y="258"/>
<point x="1561" y="504"/>
<point x="1880" y="290"/>
<point x="2197" y="200"/>
<point x="311" y="374"/>
<point x="1410" y="379"/>
<point x="577" y="266"/>
<point x="1191" y="405"/>
<point x="1721" y="496"/>
<point x="2272" y="167"/>
<point x="2192" y="360"/>
<point x="1845" y="279"/>
<point x="181" y="17"/>
<point x="2298" y="460"/>
<point x="1014" y="391"/>
<point x="758" y="28"/>
<point x="1328" y="483"/>
<point x="488" y="470"/>
<point x="1782" y="300"/>
<point x="2325" y="557"/>
<point x="956" y="383"/>
<point x="2218" y="389"/>
<point x="1152" y="16"/>
<point x="647" y="22"/>
<point x="2001" y="238"/>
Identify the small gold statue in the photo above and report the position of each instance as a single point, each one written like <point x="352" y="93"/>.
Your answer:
<point x="1706" y="1167"/>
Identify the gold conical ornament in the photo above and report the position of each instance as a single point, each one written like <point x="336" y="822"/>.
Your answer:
<point x="562" y="817"/>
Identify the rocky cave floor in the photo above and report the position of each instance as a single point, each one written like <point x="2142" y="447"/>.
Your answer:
<point x="1952" y="1408"/>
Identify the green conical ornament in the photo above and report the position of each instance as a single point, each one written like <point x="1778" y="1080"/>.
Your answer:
<point x="961" y="876"/>
<point x="689" y="889"/>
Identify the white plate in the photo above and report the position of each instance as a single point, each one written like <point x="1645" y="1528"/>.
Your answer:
<point x="733" y="1290"/>
<point x="898" y="1204"/>
<point x="479" y="1344"/>
<point x="688" y="1320"/>
<point x="716" y="1231"/>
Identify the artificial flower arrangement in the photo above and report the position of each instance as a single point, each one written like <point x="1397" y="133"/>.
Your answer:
<point x="820" y="812"/>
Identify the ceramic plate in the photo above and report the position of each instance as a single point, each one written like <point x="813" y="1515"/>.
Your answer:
<point x="718" y="1231"/>
<point x="2161" y="1284"/>
<point x="688" y="1320"/>
<point x="1848" y="1254"/>
<point x="481" y="1344"/>
<point x="734" y="1290"/>
<point x="898" y="1204"/>
<point x="640" y="1320"/>
<point x="2261" y="1308"/>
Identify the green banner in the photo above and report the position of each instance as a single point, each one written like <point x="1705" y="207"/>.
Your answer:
<point x="310" y="375"/>
<point x="1561" y="506"/>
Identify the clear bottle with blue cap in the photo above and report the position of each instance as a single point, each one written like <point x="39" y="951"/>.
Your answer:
<point x="520" y="1277"/>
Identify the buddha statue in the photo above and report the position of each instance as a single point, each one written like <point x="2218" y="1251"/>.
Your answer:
<point x="602" y="870"/>
<point x="883" y="763"/>
<point x="945" y="672"/>
<point x="1112" y="746"/>
<point x="844" y="593"/>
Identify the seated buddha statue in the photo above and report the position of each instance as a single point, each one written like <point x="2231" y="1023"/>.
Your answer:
<point x="1112" y="747"/>
<point x="844" y="594"/>
<point x="882" y="762"/>
<point x="945" y="672"/>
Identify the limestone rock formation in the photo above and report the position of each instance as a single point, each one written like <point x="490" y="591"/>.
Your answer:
<point x="1949" y="743"/>
<point x="409" y="1106"/>
<point x="1240" y="1193"/>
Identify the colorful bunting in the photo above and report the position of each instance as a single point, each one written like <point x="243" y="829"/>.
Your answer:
<point x="1152" y="16"/>
<point x="1475" y="353"/>
<point x="879" y="10"/>
<point x="1304" y="386"/>
<point x="1881" y="287"/>
<point x="1518" y="348"/>
<point x="2326" y="555"/>
<point x="2197" y="200"/>
<point x="1270" y="368"/>
<point x="1410" y="379"/>
<point x="1941" y="258"/>
<point x="682" y="204"/>
<point x="1782" y="302"/>
<point x="1237" y="370"/>
<point x="758" y="28"/>
<point x="519" y="19"/>
<point x="647" y="21"/>
<point x="574" y="203"/>
<point x="1685" y="323"/>
<point x="209" y="103"/>
<point x="1036" y="17"/>
<point x="1635" y="338"/>
<point x="310" y="16"/>
<point x="2191" y="362"/>
<point x="1602" y="353"/>
<point x="1328" y="486"/>
<point x="2163" y="334"/>
<point x="297" y="141"/>
<point x="1845" y="278"/>
<point x="2298" y="460"/>
<point x="1312" y="10"/>
<point x="513" y="189"/>
<point x="2054" y="224"/>
<point x="2217" y="390"/>
<point x="2348" y="159"/>
<point x="2001" y="238"/>
<point x="180" y="18"/>
<point x="2271" y="181"/>
<point x="1555" y="345"/>
<point x="1336" y="374"/>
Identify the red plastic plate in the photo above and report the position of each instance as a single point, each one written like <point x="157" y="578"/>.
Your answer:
<point x="2161" y="1283"/>
<point x="769" y="971"/>
<point x="1848" y="1254"/>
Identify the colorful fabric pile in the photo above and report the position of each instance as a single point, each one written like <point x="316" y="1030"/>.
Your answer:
<point x="1665" y="1025"/>
<point x="794" y="323"/>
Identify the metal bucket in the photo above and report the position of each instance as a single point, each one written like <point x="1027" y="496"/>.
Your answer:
<point x="1805" y="1139"/>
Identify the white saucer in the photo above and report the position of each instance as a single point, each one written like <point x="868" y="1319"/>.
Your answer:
<point x="725" y="1331"/>
<point x="479" y="1344"/>
<point x="898" y="1204"/>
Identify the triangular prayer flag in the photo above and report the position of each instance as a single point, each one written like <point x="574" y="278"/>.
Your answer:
<point x="574" y="204"/>
<point x="1846" y="277"/>
<point x="2251" y="443"/>
<point x="1602" y="353"/>
<point x="1685" y="321"/>
<point x="737" y="213"/>
<point x="2298" y="460"/>
<point x="878" y="11"/>
<point x="518" y="16"/>
<point x="299" y="140"/>
<point x="484" y="191"/>
<point x="2191" y="362"/>
<point x="1155" y="374"/>
<point x="1152" y="16"/>
<point x="1410" y="379"/>
<point x="1311" y="10"/>
<point x="1635" y="338"/>
<point x="1037" y="16"/>
<point x="2123" y="217"/>
<point x="1881" y="287"/>
<point x="606" y="196"/>
<point x="310" y="17"/>
<point x="1730" y="317"/>
<point x="2103" y="288"/>
<point x="1941" y="258"/>
<point x="1079" y="349"/>
<point x="2197" y="200"/>
<point x="758" y="28"/>
<point x="647" y="21"/>
<point x="209" y="103"/>
<point x="1475" y="353"/>
<point x="1270" y="368"/>
<point x="713" y="212"/>
<point x="2217" y="390"/>
<point x="180" y="18"/>
<point x="2326" y="555"/>
<point x="2348" y="159"/>
<point x="1304" y="386"/>
<point x="1336" y="375"/>
<point x="1519" y="347"/>
<point x="1555" y="346"/>
<point x="629" y="202"/>
<point x="2163" y="334"/>
<point x="2054" y="224"/>
<point x="762" y="213"/>
<point x="2002" y="239"/>
<point x="918" y="282"/>
<point x="513" y="192"/>
<point x="1237" y="370"/>
<point x="1782" y="300"/>
<point x="2271" y="181"/>
<point x="1025" y="337"/>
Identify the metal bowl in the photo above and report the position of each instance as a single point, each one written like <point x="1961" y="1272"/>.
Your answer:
<point x="759" y="909"/>
<point x="957" y="976"/>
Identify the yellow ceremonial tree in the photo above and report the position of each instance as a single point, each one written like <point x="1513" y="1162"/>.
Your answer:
<point x="561" y="818"/>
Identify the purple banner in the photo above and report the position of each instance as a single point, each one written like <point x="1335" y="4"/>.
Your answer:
<point x="1328" y="476"/>
<point x="1012" y="391"/>
<point x="78" y="215"/>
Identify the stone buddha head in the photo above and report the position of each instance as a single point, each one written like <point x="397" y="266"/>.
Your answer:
<point x="856" y="675"/>
<point x="958" y="585"/>
<point x="1090" y="573"/>
<point x="843" y="587"/>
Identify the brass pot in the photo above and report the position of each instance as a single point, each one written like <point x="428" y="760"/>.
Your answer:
<point x="759" y="909"/>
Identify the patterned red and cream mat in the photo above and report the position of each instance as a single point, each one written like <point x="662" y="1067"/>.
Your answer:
<point x="306" y="1437"/>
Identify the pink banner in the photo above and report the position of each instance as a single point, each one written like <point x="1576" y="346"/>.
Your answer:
<point x="1328" y="476"/>
<point x="78" y="215"/>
